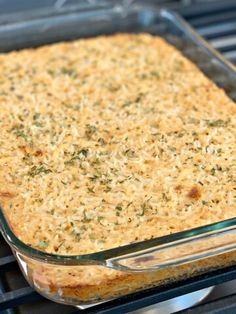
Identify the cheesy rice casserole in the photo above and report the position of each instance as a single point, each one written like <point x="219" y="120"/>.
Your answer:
<point x="109" y="141"/>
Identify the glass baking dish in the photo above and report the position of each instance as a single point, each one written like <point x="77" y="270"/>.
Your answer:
<point x="85" y="279"/>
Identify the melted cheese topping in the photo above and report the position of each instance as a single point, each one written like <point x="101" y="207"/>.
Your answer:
<point x="112" y="140"/>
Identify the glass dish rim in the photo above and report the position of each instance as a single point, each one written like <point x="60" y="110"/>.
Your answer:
<point x="99" y="258"/>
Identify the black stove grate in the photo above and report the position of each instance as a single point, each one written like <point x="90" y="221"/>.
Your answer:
<point x="16" y="297"/>
<point x="216" y="21"/>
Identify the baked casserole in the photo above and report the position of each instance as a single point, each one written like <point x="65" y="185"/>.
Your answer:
<point x="109" y="141"/>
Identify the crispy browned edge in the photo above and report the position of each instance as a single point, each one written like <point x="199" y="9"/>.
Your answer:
<point x="122" y="283"/>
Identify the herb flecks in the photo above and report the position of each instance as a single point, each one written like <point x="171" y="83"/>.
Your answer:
<point x="68" y="71"/>
<point x="79" y="155"/>
<point x="144" y="208"/>
<point x="101" y="141"/>
<point x="165" y="197"/>
<point x="219" y="123"/>
<point x="38" y="170"/>
<point x="155" y="74"/>
<point x="193" y="121"/>
<point x="85" y="218"/>
<point x="43" y="244"/>
<point x="91" y="190"/>
<point x="18" y="131"/>
<point x="63" y="71"/>
<point x="94" y="178"/>
<point x="129" y="153"/>
<point x="90" y="130"/>
<point x="107" y="189"/>
<point x="36" y="121"/>
<point x="36" y="116"/>
<point x="118" y="209"/>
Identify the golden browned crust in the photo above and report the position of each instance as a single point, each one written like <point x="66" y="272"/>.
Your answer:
<point x="101" y="149"/>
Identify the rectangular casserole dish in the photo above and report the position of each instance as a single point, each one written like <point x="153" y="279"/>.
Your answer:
<point x="144" y="264"/>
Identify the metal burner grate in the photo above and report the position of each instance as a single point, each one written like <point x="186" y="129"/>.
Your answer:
<point x="216" y="21"/>
<point x="15" y="291"/>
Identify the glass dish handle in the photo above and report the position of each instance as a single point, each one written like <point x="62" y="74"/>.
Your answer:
<point x="177" y="252"/>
